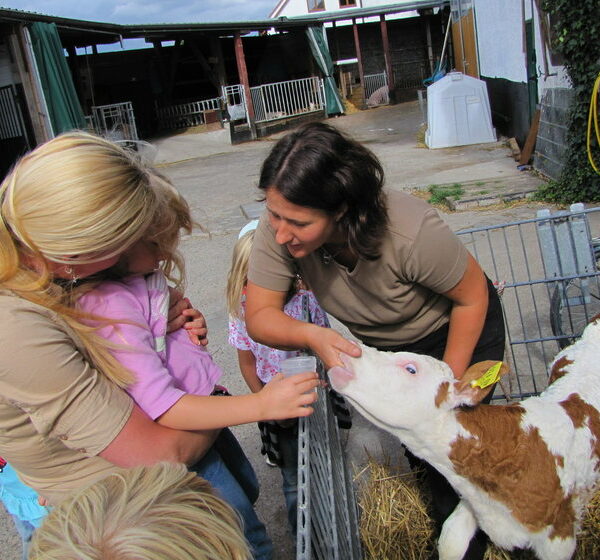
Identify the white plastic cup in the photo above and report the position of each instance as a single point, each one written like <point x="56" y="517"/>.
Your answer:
<point x="300" y="364"/>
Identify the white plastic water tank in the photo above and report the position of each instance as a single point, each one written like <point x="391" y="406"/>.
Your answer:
<point x="458" y="112"/>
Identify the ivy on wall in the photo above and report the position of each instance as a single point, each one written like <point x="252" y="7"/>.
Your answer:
<point x="576" y="35"/>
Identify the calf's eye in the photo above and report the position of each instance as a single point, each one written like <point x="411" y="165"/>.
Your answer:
<point x="410" y="368"/>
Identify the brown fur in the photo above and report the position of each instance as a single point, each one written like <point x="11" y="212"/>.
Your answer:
<point x="513" y="466"/>
<point x="581" y="414"/>
<point x="442" y="394"/>
<point x="559" y="368"/>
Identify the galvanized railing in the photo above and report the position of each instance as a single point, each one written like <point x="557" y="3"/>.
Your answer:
<point x="116" y="122"/>
<point x="327" y="511"/>
<point x="287" y="99"/>
<point x="12" y="124"/>
<point x="551" y="287"/>
<point x="187" y="114"/>
<point x="373" y="83"/>
<point x="235" y="101"/>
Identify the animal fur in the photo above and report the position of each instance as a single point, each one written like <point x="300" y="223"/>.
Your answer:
<point x="524" y="471"/>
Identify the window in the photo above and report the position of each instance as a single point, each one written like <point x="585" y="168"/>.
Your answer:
<point x="315" y="5"/>
<point x="347" y="3"/>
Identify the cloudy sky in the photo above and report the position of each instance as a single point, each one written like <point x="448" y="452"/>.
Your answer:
<point x="148" y="11"/>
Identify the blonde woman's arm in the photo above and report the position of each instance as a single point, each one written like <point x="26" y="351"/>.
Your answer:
<point x="144" y="442"/>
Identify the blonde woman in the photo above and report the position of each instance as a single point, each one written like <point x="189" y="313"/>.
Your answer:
<point x="144" y="513"/>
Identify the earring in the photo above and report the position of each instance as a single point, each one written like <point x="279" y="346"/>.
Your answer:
<point x="69" y="270"/>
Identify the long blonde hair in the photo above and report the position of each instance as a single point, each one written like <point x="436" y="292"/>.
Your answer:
<point x="238" y="273"/>
<point x="144" y="513"/>
<point x="76" y="199"/>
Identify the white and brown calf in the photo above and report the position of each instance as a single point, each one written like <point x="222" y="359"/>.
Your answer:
<point x="524" y="471"/>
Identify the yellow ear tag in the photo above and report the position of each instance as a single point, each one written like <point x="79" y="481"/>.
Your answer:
<point x="490" y="377"/>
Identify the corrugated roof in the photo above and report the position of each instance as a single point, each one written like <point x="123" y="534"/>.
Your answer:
<point x="82" y="33"/>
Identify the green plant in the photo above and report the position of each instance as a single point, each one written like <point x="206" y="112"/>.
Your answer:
<point x="577" y="38"/>
<point x="439" y="193"/>
<point x="480" y="183"/>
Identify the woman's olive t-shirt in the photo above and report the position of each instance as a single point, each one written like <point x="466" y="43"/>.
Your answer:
<point x="393" y="300"/>
<point x="57" y="412"/>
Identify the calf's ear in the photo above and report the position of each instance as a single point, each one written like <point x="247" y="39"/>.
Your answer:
<point x="478" y="381"/>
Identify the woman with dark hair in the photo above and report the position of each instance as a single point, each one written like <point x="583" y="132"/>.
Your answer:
<point x="382" y="263"/>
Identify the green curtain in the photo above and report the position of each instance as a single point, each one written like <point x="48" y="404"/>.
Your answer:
<point x="61" y="98"/>
<point x="320" y="50"/>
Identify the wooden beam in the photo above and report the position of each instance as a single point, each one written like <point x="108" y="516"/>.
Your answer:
<point x="527" y="150"/>
<point x="389" y="70"/>
<point x="34" y="96"/>
<point x="216" y="51"/>
<point x="214" y="80"/>
<point x="240" y="59"/>
<point x="361" y="71"/>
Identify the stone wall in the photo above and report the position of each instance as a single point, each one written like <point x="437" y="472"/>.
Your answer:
<point x="551" y="139"/>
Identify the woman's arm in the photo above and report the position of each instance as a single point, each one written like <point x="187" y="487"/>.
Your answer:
<point x="279" y="399"/>
<point x="268" y="324"/>
<point x="247" y="362"/>
<point x="144" y="442"/>
<point x="467" y="317"/>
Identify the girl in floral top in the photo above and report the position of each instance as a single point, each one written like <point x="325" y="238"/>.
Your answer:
<point x="259" y="363"/>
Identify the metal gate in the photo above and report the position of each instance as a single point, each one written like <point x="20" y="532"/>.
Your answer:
<point x="115" y="122"/>
<point x="546" y="269"/>
<point x="13" y="133"/>
<point x="327" y="510"/>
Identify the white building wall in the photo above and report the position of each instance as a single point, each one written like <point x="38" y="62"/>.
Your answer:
<point x="499" y="29"/>
<point x="501" y="47"/>
<point x="300" y="7"/>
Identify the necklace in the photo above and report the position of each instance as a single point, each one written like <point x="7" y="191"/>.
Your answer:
<point x="327" y="257"/>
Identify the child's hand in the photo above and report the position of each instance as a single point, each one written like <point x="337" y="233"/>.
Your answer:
<point x="288" y="397"/>
<point x="196" y="326"/>
<point x="183" y="315"/>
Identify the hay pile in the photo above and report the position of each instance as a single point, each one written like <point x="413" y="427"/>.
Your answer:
<point x="394" y="524"/>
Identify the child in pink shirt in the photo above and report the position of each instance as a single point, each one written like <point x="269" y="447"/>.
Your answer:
<point x="173" y="379"/>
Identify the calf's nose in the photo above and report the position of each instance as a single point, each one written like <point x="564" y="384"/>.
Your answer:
<point x="339" y="377"/>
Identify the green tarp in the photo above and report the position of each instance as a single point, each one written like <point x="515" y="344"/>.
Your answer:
<point x="320" y="50"/>
<point x="63" y="105"/>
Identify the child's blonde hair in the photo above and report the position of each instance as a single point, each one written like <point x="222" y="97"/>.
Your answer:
<point x="238" y="273"/>
<point x="77" y="199"/>
<point x="144" y="513"/>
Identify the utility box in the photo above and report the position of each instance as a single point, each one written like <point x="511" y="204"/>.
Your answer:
<point x="458" y="112"/>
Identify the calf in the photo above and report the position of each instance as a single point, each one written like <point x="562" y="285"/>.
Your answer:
<point x="524" y="471"/>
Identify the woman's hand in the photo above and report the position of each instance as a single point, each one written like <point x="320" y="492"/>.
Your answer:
<point x="289" y="397"/>
<point x="183" y="315"/>
<point x="328" y="344"/>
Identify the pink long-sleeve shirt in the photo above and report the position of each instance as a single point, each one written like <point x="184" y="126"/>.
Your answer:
<point x="166" y="366"/>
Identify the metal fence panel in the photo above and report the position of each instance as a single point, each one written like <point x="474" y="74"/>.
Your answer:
<point x="374" y="82"/>
<point x="116" y="122"/>
<point x="11" y="119"/>
<point x="546" y="265"/>
<point x="327" y="511"/>
<point x="287" y="99"/>
<point x="184" y="115"/>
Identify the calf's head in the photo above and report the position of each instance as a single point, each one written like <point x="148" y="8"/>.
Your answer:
<point x="401" y="389"/>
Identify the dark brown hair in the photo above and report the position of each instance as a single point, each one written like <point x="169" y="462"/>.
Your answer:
<point x="319" y="167"/>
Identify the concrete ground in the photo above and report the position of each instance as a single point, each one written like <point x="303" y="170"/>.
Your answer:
<point x="219" y="181"/>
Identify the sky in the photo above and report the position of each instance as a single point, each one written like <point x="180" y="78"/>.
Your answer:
<point x="148" y="11"/>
